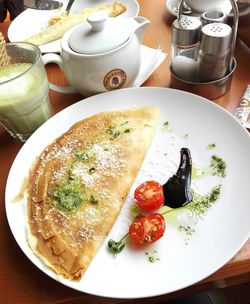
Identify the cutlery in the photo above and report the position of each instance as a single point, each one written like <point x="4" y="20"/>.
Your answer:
<point x="42" y="4"/>
<point x="68" y="7"/>
<point x="242" y="111"/>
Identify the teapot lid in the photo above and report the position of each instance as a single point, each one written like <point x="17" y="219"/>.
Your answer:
<point x="99" y="34"/>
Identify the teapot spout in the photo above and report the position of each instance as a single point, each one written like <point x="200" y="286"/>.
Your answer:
<point x="141" y="22"/>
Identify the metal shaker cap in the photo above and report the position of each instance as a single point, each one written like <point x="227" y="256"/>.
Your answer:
<point x="186" y="30"/>
<point x="216" y="38"/>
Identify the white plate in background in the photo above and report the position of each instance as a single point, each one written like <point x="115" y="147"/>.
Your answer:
<point x="31" y="22"/>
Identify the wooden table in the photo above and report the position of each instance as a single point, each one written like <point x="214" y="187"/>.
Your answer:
<point x="20" y="280"/>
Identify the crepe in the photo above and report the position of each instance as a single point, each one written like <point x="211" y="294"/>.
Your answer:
<point x="60" y="24"/>
<point x="79" y="183"/>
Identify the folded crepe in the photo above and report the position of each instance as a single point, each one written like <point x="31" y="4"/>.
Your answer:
<point x="77" y="186"/>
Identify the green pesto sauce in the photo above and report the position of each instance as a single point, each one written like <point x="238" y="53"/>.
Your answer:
<point x="70" y="194"/>
<point x="217" y="166"/>
<point x="197" y="172"/>
<point x="201" y="203"/>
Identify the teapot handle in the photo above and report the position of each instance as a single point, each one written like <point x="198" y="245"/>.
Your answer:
<point x="54" y="58"/>
<point x="140" y="24"/>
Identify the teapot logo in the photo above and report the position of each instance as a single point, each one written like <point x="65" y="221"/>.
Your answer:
<point x="114" y="79"/>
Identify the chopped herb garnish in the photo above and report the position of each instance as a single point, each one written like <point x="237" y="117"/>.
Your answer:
<point x="151" y="256"/>
<point x="92" y="170"/>
<point x="115" y="131"/>
<point x="127" y="130"/>
<point x="116" y="247"/>
<point x="201" y="203"/>
<point x="116" y="134"/>
<point x="94" y="200"/>
<point x="211" y="146"/>
<point x="217" y="166"/>
<point x="85" y="155"/>
<point x="165" y="126"/>
<point x="124" y="123"/>
<point x="187" y="230"/>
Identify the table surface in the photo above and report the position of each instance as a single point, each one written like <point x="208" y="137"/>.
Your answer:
<point x="20" y="280"/>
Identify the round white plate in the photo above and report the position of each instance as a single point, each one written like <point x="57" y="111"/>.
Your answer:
<point x="33" y="21"/>
<point x="194" y="122"/>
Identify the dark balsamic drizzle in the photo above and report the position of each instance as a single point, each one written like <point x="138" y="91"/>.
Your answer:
<point x="177" y="190"/>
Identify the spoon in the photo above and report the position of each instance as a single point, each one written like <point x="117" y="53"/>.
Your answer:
<point x="42" y="4"/>
<point x="177" y="190"/>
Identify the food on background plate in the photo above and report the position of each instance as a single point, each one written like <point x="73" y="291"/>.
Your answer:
<point x="79" y="183"/>
<point x="60" y="24"/>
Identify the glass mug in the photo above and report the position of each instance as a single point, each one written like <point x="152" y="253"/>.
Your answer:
<point x="24" y="99"/>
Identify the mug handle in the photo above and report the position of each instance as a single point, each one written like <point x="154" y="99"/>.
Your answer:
<point x="48" y="58"/>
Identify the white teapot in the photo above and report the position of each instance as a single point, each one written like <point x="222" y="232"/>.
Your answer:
<point x="100" y="55"/>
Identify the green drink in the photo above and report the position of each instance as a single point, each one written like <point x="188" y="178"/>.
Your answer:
<point x="24" y="101"/>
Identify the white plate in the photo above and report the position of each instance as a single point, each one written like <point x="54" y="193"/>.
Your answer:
<point x="172" y="7"/>
<point x="218" y="237"/>
<point x="33" y="21"/>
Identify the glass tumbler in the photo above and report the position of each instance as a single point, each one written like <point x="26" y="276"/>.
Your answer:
<point x="24" y="99"/>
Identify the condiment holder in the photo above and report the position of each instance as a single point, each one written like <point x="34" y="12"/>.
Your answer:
<point x="209" y="66"/>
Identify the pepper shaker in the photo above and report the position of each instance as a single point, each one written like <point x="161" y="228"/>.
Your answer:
<point x="185" y="47"/>
<point x="214" y="53"/>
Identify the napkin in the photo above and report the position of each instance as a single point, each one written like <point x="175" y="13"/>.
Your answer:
<point x="151" y="59"/>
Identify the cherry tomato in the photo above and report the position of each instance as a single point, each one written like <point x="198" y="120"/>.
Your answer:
<point x="147" y="229"/>
<point x="149" y="196"/>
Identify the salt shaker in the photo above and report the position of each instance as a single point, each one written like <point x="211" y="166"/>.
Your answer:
<point x="185" y="47"/>
<point x="215" y="51"/>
